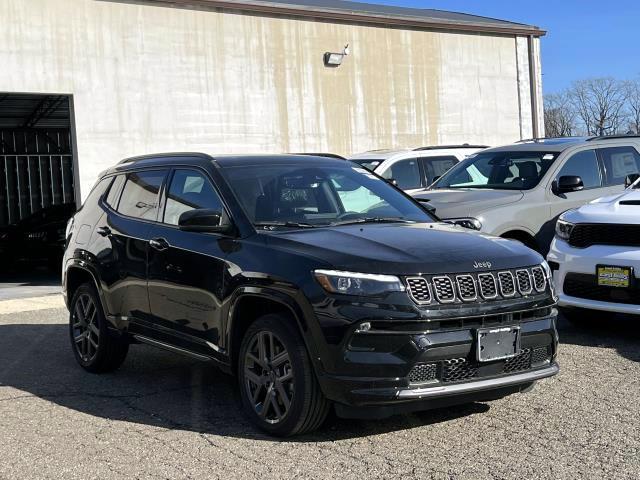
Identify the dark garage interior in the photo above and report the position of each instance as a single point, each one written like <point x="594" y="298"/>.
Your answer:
<point x="37" y="186"/>
<point x="36" y="159"/>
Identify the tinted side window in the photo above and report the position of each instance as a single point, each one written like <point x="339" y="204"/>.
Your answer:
<point x="140" y="195"/>
<point x="406" y="173"/>
<point x="585" y="165"/>
<point x="114" y="192"/>
<point x="97" y="191"/>
<point x="618" y="163"/>
<point x="189" y="190"/>
<point x="437" y="166"/>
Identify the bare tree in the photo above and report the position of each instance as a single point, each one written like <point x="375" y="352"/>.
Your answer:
<point x="632" y="88"/>
<point x="599" y="104"/>
<point x="559" y="115"/>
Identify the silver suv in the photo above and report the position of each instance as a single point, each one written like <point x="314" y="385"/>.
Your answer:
<point x="519" y="190"/>
<point x="414" y="169"/>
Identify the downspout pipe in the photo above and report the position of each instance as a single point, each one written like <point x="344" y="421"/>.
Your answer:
<point x="533" y="85"/>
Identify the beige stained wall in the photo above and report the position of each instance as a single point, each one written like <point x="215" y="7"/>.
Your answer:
<point x="147" y="79"/>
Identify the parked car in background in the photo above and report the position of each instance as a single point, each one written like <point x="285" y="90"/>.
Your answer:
<point x="595" y="257"/>
<point x="414" y="169"/>
<point x="518" y="191"/>
<point x="37" y="237"/>
<point x="266" y="266"/>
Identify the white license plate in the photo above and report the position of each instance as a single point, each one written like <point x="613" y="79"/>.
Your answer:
<point x="498" y="343"/>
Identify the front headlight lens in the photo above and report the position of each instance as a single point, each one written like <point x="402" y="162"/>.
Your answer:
<point x="352" y="283"/>
<point x="549" y="274"/>
<point x="470" y="223"/>
<point x="564" y="229"/>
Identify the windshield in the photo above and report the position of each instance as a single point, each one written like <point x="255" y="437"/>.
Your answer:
<point x="498" y="170"/>
<point x="299" y="196"/>
<point x="369" y="164"/>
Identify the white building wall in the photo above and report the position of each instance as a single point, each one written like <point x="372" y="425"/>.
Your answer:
<point x="149" y="78"/>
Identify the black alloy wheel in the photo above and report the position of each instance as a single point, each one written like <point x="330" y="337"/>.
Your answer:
<point x="84" y="328"/>
<point x="278" y="386"/>
<point x="96" y="348"/>
<point x="269" y="377"/>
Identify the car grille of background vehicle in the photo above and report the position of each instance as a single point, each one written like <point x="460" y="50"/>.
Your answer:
<point x="584" y="235"/>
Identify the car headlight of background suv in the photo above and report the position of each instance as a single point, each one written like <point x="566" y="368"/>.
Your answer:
<point x="466" y="222"/>
<point x="564" y="229"/>
<point x="353" y="283"/>
<point x="549" y="275"/>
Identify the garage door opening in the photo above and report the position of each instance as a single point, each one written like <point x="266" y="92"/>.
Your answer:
<point x="36" y="155"/>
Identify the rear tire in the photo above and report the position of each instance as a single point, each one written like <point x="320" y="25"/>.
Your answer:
<point x="97" y="349"/>
<point x="279" y="390"/>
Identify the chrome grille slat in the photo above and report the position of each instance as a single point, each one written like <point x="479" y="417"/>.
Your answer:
<point x="481" y="286"/>
<point x="466" y="288"/>
<point x="443" y="289"/>
<point x="487" y="286"/>
<point x="523" y="279"/>
<point x="419" y="290"/>
<point x="539" y="280"/>
<point x="507" y="284"/>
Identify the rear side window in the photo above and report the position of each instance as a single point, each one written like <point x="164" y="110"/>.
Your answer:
<point x="189" y="190"/>
<point x="140" y="195"/>
<point x="585" y="165"/>
<point x="114" y="192"/>
<point x="437" y="166"/>
<point x="97" y="191"/>
<point x="406" y="173"/>
<point x="618" y="163"/>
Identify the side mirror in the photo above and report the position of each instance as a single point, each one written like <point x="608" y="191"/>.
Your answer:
<point x="203" y="220"/>
<point x="567" y="184"/>
<point x="631" y="179"/>
<point x="436" y="178"/>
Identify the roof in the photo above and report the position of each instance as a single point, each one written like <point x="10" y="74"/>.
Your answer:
<point x="558" y="144"/>
<point x="199" y="158"/>
<point x="368" y="13"/>
<point x="384" y="154"/>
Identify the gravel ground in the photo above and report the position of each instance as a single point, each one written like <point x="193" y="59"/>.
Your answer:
<point x="165" y="416"/>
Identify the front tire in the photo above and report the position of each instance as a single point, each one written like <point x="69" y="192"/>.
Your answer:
<point x="96" y="348"/>
<point x="280" y="393"/>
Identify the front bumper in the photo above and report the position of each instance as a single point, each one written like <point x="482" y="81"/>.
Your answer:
<point x="583" y="261"/>
<point x="379" y="368"/>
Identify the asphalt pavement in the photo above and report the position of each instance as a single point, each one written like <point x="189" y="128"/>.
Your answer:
<point x="166" y="416"/>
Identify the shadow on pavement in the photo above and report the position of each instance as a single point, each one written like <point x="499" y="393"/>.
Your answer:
<point x="161" y="389"/>
<point x="620" y="332"/>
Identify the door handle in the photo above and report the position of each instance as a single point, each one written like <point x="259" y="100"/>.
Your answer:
<point x="104" y="231"/>
<point x="160" y="244"/>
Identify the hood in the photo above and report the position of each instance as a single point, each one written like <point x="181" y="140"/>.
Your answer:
<point x="452" y="203"/>
<point x="405" y="249"/>
<point x="622" y="208"/>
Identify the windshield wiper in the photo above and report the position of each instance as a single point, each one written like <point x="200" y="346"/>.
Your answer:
<point x="285" y="224"/>
<point x="372" y="220"/>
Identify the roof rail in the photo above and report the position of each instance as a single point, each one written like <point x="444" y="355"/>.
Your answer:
<point x="440" y="147"/>
<point x="542" y="139"/>
<point x="613" y="137"/>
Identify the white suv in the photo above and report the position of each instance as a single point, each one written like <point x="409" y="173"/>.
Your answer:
<point x="596" y="256"/>
<point x="414" y="169"/>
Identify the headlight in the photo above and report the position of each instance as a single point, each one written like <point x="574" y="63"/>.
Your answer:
<point x="471" y="223"/>
<point x="549" y="274"/>
<point x="564" y="229"/>
<point x="350" y="283"/>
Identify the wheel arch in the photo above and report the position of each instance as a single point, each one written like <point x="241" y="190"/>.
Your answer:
<point x="250" y="304"/>
<point x="523" y="236"/>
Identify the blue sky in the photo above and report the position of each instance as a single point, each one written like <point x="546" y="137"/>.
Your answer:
<point x="585" y="38"/>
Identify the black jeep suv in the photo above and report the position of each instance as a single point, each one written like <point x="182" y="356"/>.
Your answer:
<point x="313" y="280"/>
